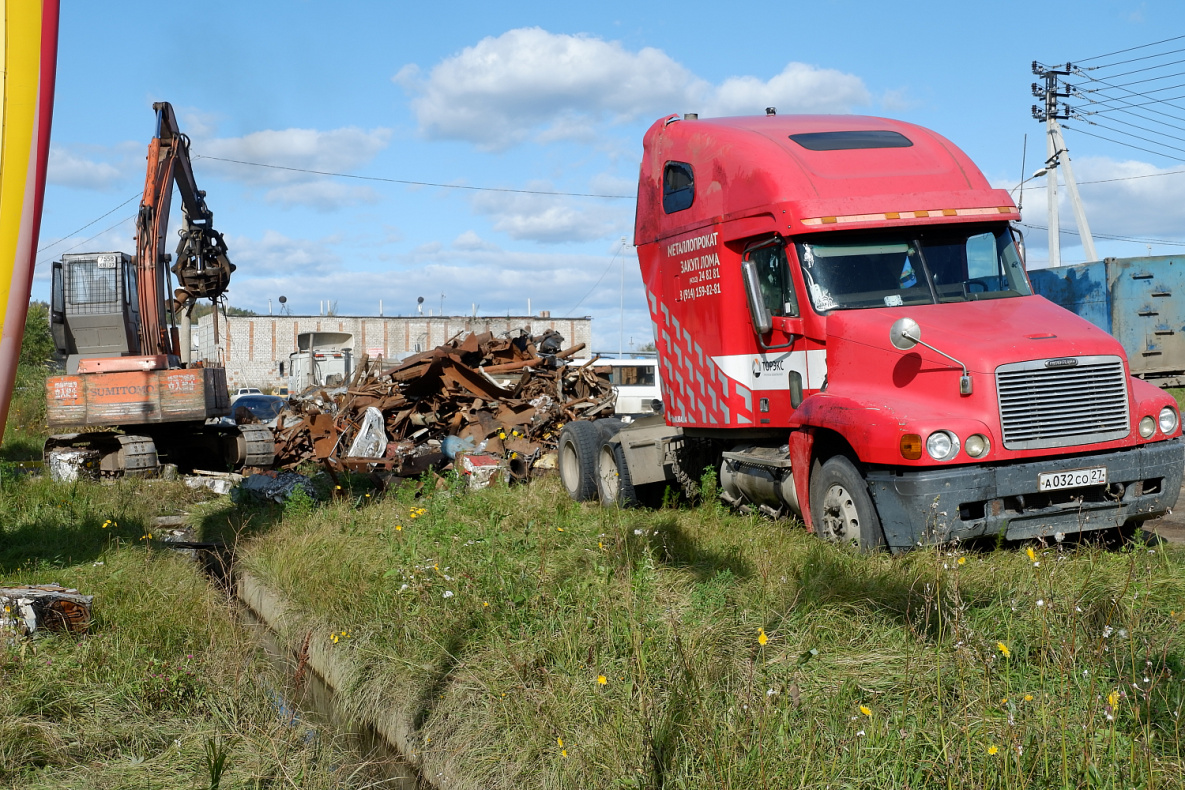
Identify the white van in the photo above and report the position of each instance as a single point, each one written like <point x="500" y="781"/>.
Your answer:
<point x="636" y="383"/>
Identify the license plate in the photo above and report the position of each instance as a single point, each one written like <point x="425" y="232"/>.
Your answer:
<point x="1075" y="478"/>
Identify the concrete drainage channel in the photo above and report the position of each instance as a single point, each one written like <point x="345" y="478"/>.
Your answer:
<point x="387" y="748"/>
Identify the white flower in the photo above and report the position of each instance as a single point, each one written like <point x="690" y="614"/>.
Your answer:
<point x="1107" y="631"/>
<point x="404" y="587"/>
<point x="1059" y="536"/>
<point x="860" y="733"/>
<point x="1123" y="633"/>
<point x="637" y="532"/>
<point x="770" y="692"/>
<point x="448" y="593"/>
<point x="1040" y="602"/>
<point x="1086" y="673"/>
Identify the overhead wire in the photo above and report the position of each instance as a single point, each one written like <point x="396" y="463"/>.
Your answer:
<point x="92" y="238"/>
<point x="1120" y="142"/>
<point x="87" y="225"/>
<point x="1129" y="49"/>
<point x="412" y="183"/>
<point x="612" y="261"/>
<point x="1110" y="236"/>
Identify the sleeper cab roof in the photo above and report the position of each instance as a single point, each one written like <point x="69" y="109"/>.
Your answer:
<point x="752" y="167"/>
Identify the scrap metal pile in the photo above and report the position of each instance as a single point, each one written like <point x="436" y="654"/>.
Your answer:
<point x="488" y="401"/>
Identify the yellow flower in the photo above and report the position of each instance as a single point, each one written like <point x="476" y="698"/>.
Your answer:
<point x="1028" y="697"/>
<point x="563" y="752"/>
<point x="485" y="603"/>
<point x="1003" y="700"/>
<point x="601" y="679"/>
<point x="761" y="637"/>
<point x="600" y="544"/>
<point x="560" y="741"/>
<point x="398" y="527"/>
<point x="501" y="434"/>
<point x="866" y="711"/>
<point x="1004" y="651"/>
<point x="1113" y="698"/>
<point x="992" y="750"/>
<point x="1032" y="555"/>
<point x="559" y="529"/>
<point x="962" y="560"/>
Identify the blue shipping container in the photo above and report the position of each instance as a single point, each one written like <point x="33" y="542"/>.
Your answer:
<point x="1138" y="300"/>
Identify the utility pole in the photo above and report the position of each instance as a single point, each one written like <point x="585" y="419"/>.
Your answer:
<point x="1059" y="156"/>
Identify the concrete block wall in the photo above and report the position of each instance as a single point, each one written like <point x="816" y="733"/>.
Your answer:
<point x="251" y="348"/>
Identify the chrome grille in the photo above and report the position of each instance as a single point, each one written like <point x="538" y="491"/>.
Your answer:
<point x="1062" y="406"/>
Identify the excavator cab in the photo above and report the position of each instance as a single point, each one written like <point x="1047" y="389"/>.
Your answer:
<point x="94" y="311"/>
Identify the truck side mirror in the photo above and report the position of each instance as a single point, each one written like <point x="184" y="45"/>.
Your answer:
<point x="762" y="319"/>
<point x="1018" y="238"/>
<point x="905" y="334"/>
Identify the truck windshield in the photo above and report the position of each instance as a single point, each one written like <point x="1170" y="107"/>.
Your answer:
<point x="911" y="266"/>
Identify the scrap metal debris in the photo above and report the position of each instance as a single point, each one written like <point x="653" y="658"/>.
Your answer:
<point x="504" y="398"/>
<point x="49" y="607"/>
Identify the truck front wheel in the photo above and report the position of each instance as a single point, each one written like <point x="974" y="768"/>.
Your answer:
<point x="579" y="443"/>
<point x="842" y="508"/>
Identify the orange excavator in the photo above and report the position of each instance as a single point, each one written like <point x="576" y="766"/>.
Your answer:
<point x="125" y="332"/>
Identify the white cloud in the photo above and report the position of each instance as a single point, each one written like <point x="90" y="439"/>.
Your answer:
<point x="276" y="253"/>
<point x="71" y="170"/>
<point x="799" y="88"/>
<point x="550" y="219"/>
<point x="321" y="195"/>
<point x="530" y="83"/>
<point x="470" y="241"/>
<point x="1120" y="198"/>
<point x="336" y="151"/>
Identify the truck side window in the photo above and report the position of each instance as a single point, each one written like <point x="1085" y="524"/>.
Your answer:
<point x="773" y="274"/>
<point x="678" y="187"/>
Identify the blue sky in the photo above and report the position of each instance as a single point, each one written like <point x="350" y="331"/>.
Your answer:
<point x="546" y="97"/>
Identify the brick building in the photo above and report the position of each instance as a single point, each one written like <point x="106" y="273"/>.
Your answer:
<point x="253" y="347"/>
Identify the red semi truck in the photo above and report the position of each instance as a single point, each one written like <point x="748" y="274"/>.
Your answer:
<point x="847" y="333"/>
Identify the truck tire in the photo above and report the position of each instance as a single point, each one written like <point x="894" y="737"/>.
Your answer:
<point x="842" y="508"/>
<point x="579" y="442"/>
<point x="613" y="477"/>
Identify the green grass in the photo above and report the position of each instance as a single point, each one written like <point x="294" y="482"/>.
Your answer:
<point x="489" y="618"/>
<point x="165" y="678"/>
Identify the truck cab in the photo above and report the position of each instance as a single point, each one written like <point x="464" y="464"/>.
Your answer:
<point x="846" y="331"/>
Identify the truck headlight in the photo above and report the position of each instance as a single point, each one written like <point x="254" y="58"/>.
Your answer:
<point x="977" y="445"/>
<point x="1168" y="420"/>
<point x="942" y="445"/>
<point x="1147" y="427"/>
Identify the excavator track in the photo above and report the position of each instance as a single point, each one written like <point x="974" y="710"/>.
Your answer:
<point x="100" y="454"/>
<point x="255" y="445"/>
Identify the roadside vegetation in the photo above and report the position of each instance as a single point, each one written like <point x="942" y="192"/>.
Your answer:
<point x="25" y="431"/>
<point x="536" y="642"/>
<point x="168" y="689"/>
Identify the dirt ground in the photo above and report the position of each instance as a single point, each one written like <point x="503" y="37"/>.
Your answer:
<point x="1170" y="528"/>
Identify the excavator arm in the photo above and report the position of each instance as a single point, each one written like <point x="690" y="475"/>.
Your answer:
<point x="202" y="267"/>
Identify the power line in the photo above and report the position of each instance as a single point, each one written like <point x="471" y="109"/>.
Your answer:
<point x="1129" y="49"/>
<point x="1110" y="236"/>
<point x="87" y="225"/>
<point x="1148" y="68"/>
<point x="612" y="261"/>
<point x="1141" y="128"/>
<point x="92" y="238"/>
<point x="1127" y="145"/>
<point x="413" y="183"/>
<point x="1117" y="178"/>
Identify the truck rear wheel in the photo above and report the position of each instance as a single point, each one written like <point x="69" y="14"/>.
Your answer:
<point x="613" y="477"/>
<point x="579" y="442"/>
<point x="842" y="508"/>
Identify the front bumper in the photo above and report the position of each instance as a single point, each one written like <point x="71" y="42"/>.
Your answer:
<point x="936" y="505"/>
